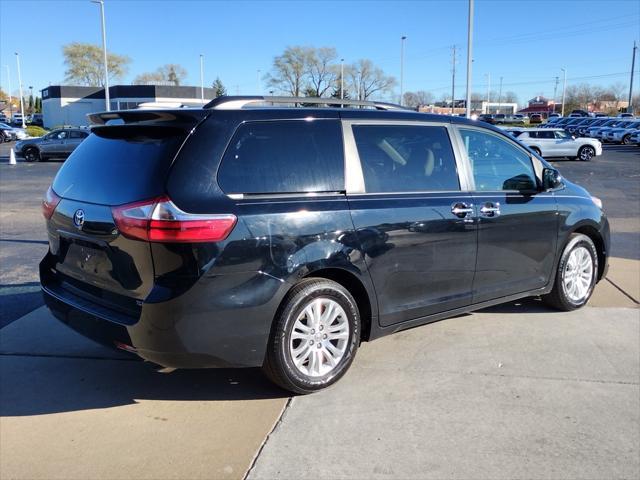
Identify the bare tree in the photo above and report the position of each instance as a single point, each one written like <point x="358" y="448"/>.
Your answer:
<point x="509" y="97"/>
<point x="85" y="64"/>
<point x="170" y="73"/>
<point x="367" y="79"/>
<point x="417" y="99"/>
<point x="321" y="70"/>
<point x="289" y="70"/>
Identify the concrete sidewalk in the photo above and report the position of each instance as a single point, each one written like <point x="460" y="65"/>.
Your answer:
<point x="74" y="410"/>
<point x="512" y="392"/>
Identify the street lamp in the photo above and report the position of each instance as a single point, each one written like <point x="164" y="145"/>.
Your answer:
<point x="564" y="88"/>
<point x="258" y="82"/>
<point x="20" y="88"/>
<point x="402" y="39"/>
<point x="341" y="78"/>
<point x="107" y="100"/>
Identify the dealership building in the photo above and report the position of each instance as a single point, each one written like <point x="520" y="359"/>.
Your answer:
<point x="69" y="105"/>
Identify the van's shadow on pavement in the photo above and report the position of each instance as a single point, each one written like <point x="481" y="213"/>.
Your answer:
<point x="38" y="385"/>
<point x="46" y="385"/>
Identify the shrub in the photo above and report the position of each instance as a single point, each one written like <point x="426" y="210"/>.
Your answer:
<point x="35" y="131"/>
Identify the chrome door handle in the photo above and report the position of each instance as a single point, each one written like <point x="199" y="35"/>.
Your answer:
<point x="462" y="210"/>
<point x="490" y="209"/>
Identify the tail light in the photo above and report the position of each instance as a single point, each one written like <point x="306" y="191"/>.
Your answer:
<point x="159" y="220"/>
<point x="49" y="203"/>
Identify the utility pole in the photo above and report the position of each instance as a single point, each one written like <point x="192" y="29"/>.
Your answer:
<point x="564" y="88"/>
<point x="20" y="88"/>
<point x="555" y="92"/>
<point x="500" y="97"/>
<point x="488" y="75"/>
<point x="453" y="81"/>
<point x="469" y="57"/>
<point x="107" y="100"/>
<point x="633" y="66"/>
<point x="259" y="83"/>
<point x="402" y="39"/>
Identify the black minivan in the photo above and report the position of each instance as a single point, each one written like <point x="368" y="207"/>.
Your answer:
<point x="256" y="232"/>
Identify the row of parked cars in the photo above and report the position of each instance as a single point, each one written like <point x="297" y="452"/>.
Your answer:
<point x="621" y="130"/>
<point x="16" y="119"/>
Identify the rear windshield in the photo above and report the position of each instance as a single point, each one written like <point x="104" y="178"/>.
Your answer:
<point x="117" y="165"/>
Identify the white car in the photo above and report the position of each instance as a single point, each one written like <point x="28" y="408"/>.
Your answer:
<point x="556" y="142"/>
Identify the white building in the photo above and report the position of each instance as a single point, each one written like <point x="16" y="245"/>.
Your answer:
<point x="69" y="105"/>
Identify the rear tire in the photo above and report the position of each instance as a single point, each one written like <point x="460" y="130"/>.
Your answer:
<point x="576" y="275"/>
<point x="32" y="154"/>
<point x="626" y="140"/>
<point x="586" y="153"/>
<point x="302" y="356"/>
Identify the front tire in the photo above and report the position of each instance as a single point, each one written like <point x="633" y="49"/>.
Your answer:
<point x="576" y="275"/>
<point x="626" y="140"/>
<point x="586" y="153"/>
<point x="32" y="154"/>
<point x="314" y="338"/>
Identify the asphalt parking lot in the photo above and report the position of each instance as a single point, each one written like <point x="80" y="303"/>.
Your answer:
<point x="512" y="391"/>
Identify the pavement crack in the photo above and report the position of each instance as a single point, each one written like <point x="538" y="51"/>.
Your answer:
<point x="623" y="292"/>
<point x="266" y="439"/>
<point x="73" y="357"/>
<point x="542" y="377"/>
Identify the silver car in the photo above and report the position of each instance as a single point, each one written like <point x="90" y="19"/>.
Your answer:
<point x="55" y="144"/>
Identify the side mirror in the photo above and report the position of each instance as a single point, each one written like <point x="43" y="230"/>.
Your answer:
<point x="551" y="179"/>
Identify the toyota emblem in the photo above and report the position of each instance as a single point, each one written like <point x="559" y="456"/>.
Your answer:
<point x="78" y="218"/>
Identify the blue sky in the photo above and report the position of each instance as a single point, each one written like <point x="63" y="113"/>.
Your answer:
<point x="526" y="42"/>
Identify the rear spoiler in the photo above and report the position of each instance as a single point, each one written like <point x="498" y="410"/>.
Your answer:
<point x="184" y="118"/>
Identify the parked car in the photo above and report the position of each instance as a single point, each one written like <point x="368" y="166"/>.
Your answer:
<point x="37" y="119"/>
<point x="625" y="115"/>
<point x="556" y="142"/>
<point x="535" y="118"/>
<point x="584" y="122"/>
<point x="16" y="119"/>
<point x="520" y="118"/>
<point x="7" y="133"/>
<point x="622" y="134"/>
<point x="16" y="133"/>
<point x="554" y="115"/>
<point x="487" y="118"/>
<point x="602" y="131"/>
<point x="580" y="113"/>
<point x="600" y="114"/>
<point x="635" y="138"/>
<point x="320" y="228"/>
<point x="593" y="131"/>
<point x="3" y="118"/>
<point x="56" y="144"/>
<point x="582" y="129"/>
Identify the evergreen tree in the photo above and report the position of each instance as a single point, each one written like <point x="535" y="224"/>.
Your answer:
<point x="219" y="90"/>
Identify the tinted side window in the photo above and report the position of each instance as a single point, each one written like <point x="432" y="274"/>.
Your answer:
<point x="406" y="158"/>
<point x="496" y="163"/>
<point x="76" y="134"/>
<point x="284" y="157"/>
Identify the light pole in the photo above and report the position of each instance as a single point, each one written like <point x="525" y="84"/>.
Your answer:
<point x="258" y="82"/>
<point x="500" y="97"/>
<point x="341" y="78"/>
<point x="564" y="89"/>
<point x="107" y="100"/>
<point x="469" y="57"/>
<point x="9" y="84"/>
<point x="633" y="66"/>
<point x="488" y="75"/>
<point x="402" y="39"/>
<point x="202" y="78"/>
<point x="20" y="88"/>
<point x="31" y="99"/>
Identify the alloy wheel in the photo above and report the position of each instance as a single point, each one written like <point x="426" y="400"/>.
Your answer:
<point x="578" y="275"/>
<point x="319" y="337"/>
<point x="587" y="153"/>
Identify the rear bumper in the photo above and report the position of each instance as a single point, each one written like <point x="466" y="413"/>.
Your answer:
<point x="221" y="321"/>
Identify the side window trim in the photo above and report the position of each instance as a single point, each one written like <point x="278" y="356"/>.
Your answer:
<point x="465" y="155"/>
<point x="354" y="177"/>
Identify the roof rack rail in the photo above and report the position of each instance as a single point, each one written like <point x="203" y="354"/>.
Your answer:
<point x="237" y="102"/>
